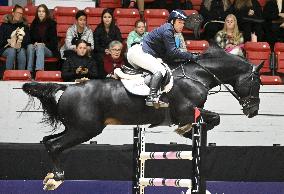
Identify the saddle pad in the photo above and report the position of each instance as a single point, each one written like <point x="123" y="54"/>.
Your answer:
<point x="136" y="86"/>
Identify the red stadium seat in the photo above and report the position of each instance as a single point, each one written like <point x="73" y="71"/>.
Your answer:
<point x="17" y="75"/>
<point x="155" y="17"/>
<point x="65" y="17"/>
<point x="270" y="80"/>
<point x="256" y="52"/>
<point x="94" y="16"/>
<point x="5" y="10"/>
<point x="125" y="19"/>
<point x="110" y="3"/>
<point x="48" y="76"/>
<point x="30" y="12"/>
<point x="279" y="54"/>
<point x="196" y="4"/>
<point x="196" y="46"/>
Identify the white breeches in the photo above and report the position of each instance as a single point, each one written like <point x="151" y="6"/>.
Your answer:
<point x="138" y="58"/>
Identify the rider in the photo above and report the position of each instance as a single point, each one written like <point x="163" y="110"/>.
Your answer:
<point x="159" y="45"/>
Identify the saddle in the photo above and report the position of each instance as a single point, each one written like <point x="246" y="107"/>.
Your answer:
<point x="136" y="81"/>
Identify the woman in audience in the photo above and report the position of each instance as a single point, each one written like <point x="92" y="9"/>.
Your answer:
<point x="105" y="32"/>
<point x="140" y="5"/>
<point x="214" y="13"/>
<point x="180" y="43"/>
<point x="249" y="16"/>
<point x="137" y="34"/>
<point x="230" y="38"/>
<point x="44" y="40"/>
<point x="114" y="58"/>
<point x="14" y="38"/>
<point x="273" y="13"/>
<point x="78" y="31"/>
<point x="79" y="66"/>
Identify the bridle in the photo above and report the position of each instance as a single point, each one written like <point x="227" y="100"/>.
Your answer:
<point x="250" y="100"/>
<point x="246" y="102"/>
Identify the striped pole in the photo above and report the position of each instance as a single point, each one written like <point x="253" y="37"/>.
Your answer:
<point x="161" y="182"/>
<point x="177" y="155"/>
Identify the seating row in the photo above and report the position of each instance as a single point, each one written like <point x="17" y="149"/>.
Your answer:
<point x="256" y="52"/>
<point x="125" y="18"/>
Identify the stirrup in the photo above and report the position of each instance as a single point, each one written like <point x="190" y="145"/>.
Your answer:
<point x="156" y="102"/>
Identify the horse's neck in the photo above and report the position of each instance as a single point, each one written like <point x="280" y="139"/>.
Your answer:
<point x="227" y="71"/>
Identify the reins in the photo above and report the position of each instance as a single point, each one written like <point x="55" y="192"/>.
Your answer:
<point x="212" y="74"/>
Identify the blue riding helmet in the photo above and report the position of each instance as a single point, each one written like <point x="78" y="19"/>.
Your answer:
<point x="177" y="14"/>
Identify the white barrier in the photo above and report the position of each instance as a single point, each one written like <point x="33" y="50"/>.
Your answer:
<point x="160" y="182"/>
<point x="179" y="155"/>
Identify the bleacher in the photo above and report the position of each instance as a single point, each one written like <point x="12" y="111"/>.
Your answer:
<point x="272" y="73"/>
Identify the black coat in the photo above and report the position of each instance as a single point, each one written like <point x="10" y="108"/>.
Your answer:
<point x="72" y="63"/>
<point x="243" y="12"/>
<point x="102" y="38"/>
<point x="270" y="11"/>
<point x="49" y="36"/>
<point x="8" y="27"/>
<point x="216" y="11"/>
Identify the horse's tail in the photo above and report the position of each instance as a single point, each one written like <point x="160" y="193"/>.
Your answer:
<point x="46" y="93"/>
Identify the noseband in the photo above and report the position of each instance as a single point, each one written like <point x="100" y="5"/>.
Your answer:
<point x="250" y="100"/>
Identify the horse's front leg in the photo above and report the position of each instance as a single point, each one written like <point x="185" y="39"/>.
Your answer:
<point x="211" y="120"/>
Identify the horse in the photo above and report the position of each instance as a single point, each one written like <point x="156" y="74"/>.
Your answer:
<point x="85" y="109"/>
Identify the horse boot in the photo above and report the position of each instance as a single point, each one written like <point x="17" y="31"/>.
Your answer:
<point x="154" y="99"/>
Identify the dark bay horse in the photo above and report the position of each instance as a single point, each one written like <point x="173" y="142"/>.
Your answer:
<point x="86" y="108"/>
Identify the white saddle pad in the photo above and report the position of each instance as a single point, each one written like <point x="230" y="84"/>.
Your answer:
<point x="136" y="86"/>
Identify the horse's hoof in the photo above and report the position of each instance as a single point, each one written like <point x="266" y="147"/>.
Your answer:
<point x="184" y="129"/>
<point x="49" y="175"/>
<point x="51" y="185"/>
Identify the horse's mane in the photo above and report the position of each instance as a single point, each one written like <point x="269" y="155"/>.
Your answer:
<point x="214" y="50"/>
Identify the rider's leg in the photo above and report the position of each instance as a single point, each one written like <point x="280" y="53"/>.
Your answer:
<point x="137" y="57"/>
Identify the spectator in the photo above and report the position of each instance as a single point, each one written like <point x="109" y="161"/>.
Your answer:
<point x="175" y="4"/>
<point x="44" y="40"/>
<point x="77" y="31"/>
<point x="140" y="5"/>
<point x="114" y="58"/>
<point x="230" y="38"/>
<point x="214" y="13"/>
<point x="273" y="13"/>
<point x="80" y="65"/>
<point x="137" y="34"/>
<point x="249" y="16"/>
<point x="14" y="38"/>
<point x="105" y="32"/>
<point x="180" y="43"/>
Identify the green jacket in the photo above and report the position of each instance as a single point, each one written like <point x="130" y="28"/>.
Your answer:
<point x="133" y="37"/>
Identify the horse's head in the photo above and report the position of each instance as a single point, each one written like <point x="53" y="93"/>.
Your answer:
<point x="247" y="88"/>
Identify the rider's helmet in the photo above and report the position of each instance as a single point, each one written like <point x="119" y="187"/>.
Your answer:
<point x="177" y="14"/>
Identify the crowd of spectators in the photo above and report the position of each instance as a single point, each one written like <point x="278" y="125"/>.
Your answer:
<point x="88" y="54"/>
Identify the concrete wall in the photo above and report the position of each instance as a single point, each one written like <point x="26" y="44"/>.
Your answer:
<point x="235" y="129"/>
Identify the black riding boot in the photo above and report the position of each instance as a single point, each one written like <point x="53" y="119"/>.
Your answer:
<point x="153" y="98"/>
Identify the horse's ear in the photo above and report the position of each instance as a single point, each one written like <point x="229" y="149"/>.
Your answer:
<point x="257" y="69"/>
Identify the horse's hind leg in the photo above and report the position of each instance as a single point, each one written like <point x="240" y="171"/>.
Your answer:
<point x="56" y="146"/>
